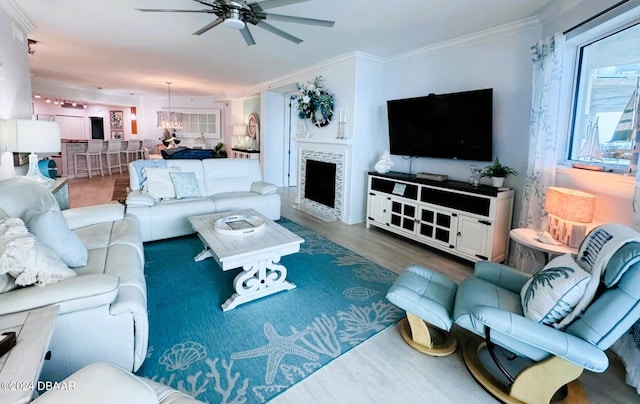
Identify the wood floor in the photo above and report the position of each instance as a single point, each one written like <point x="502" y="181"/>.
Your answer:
<point x="384" y="369"/>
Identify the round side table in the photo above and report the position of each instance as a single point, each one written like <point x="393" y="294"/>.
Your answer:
<point x="529" y="238"/>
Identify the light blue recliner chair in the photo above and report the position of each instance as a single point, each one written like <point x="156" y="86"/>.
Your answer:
<point x="534" y="335"/>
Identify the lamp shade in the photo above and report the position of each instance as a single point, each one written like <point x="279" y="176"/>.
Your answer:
<point x="29" y="136"/>
<point x="169" y="120"/>
<point x="239" y="130"/>
<point x="570" y="204"/>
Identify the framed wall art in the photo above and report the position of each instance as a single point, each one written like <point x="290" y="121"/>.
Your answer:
<point x="117" y="134"/>
<point x="116" y="119"/>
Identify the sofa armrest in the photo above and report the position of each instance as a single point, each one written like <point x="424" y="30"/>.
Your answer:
<point x="501" y="275"/>
<point x="138" y="198"/>
<point x="88" y="215"/>
<point x="263" y="188"/>
<point x="72" y="294"/>
<point x="543" y="337"/>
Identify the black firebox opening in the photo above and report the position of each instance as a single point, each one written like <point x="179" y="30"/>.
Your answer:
<point x="320" y="182"/>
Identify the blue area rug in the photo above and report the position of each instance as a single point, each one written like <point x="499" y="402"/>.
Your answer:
<point x="256" y="351"/>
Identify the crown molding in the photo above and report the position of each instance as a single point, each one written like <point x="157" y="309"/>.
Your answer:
<point x="466" y="40"/>
<point x="283" y="82"/>
<point x="14" y="11"/>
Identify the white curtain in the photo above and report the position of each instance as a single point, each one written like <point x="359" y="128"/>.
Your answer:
<point x="547" y="56"/>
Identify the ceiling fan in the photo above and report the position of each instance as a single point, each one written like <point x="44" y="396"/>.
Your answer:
<point x="238" y="13"/>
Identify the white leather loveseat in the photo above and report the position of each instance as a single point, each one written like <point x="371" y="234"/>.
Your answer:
<point x="102" y="304"/>
<point x="220" y="184"/>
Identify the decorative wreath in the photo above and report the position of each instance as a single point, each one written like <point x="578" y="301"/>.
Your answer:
<point x="315" y="102"/>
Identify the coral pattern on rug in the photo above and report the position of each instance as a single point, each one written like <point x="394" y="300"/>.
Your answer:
<point x="258" y="350"/>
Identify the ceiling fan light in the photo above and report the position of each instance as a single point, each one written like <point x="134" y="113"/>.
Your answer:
<point x="233" y="19"/>
<point x="234" y="23"/>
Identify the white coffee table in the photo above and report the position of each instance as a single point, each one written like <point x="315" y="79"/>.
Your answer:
<point x="258" y="254"/>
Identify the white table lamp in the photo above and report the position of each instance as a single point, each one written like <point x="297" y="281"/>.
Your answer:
<point x="239" y="132"/>
<point x="29" y="136"/>
<point x="569" y="211"/>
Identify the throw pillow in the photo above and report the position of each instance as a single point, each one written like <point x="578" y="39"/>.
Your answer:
<point x="7" y="283"/>
<point x="185" y="184"/>
<point x="158" y="183"/>
<point x="26" y="259"/>
<point x="140" y="165"/>
<point x="554" y="291"/>
<point x="51" y="228"/>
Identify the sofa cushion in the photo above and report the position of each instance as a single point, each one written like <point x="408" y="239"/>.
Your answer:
<point x="238" y="200"/>
<point x="22" y="197"/>
<point x="228" y="184"/>
<point x="185" y="184"/>
<point x="27" y="259"/>
<point x="158" y="183"/>
<point x="51" y="228"/>
<point x="554" y="291"/>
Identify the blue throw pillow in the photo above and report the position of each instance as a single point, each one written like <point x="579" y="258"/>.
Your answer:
<point x="52" y="230"/>
<point x="185" y="184"/>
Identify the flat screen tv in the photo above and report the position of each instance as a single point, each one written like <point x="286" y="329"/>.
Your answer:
<point x="451" y="126"/>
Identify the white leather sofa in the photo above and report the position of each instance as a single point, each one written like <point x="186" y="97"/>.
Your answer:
<point x="224" y="184"/>
<point x="103" y="309"/>
<point x="104" y="383"/>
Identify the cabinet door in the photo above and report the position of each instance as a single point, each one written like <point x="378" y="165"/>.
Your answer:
<point x="377" y="208"/>
<point x="437" y="226"/>
<point x="473" y="237"/>
<point x="403" y="215"/>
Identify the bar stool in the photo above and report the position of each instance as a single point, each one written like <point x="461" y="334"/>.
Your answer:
<point x="148" y="147"/>
<point x="94" y="150"/>
<point x="114" y="148"/>
<point x="134" y="148"/>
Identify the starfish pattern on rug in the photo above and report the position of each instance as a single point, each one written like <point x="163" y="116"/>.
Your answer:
<point x="276" y="349"/>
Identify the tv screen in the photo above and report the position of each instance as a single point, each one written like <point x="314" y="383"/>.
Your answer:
<point x="452" y="126"/>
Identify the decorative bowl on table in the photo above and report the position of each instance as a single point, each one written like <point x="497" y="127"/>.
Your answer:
<point x="238" y="225"/>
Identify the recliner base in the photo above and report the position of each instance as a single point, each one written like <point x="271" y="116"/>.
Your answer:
<point x="535" y="384"/>
<point x="426" y="338"/>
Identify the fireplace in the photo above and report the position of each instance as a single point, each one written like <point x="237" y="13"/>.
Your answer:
<point x="320" y="182"/>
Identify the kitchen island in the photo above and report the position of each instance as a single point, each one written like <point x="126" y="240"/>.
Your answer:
<point x="69" y="148"/>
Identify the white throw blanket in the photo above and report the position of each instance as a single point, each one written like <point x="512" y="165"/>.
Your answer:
<point x="594" y="255"/>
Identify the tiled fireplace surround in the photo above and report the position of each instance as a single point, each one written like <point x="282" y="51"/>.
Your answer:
<point x="328" y="151"/>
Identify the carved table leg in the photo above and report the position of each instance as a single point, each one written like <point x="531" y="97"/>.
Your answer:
<point x="257" y="280"/>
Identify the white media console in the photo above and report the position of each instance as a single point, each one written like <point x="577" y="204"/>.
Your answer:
<point x="472" y="222"/>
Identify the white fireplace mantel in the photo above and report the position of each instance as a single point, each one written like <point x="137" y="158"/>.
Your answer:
<point x="335" y="151"/>
<point x="345" y="142"/>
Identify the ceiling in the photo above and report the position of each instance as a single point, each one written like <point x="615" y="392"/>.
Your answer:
<point x="108" y="44"/>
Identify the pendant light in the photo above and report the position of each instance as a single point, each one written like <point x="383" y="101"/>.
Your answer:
<point x="168" y="119"/>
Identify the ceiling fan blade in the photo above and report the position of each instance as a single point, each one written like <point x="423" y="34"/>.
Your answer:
<point x="165" y="10"/>
<point x="246" y="34"/>
<point x="278" y="31"/>
<point x="267" y="4"/>
<point x="297" y="20"/>
<point x="206" y="3"/>
<point x="209" y="26"/>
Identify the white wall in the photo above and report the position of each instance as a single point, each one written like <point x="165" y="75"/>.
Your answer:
<point x="498" y="59"/>
<point x="355" y="79"/>
<point x="15" y="81"/>
<point x="273" y="132"/>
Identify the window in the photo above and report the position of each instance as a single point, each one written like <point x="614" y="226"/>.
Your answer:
<point x="606" y="99"/>
<point x="201" y="123"/>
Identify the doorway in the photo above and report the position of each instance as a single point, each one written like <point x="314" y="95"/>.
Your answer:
<point x="291" y="147"/>
<point x="97" y="127"/>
